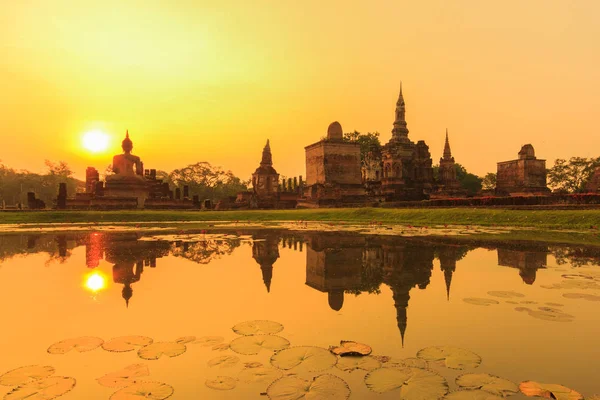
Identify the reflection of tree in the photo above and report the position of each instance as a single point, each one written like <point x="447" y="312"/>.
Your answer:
<point x="58" y="247"/>
<point x="204" y="251"/>
<point x="576" y="256"/>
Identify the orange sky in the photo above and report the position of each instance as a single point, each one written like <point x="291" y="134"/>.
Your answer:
<point x="197" y="80"/>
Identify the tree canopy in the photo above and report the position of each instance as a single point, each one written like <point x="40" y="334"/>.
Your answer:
<point x="207" y="181"/>
<point x="573" y="175"/>
<point x="366" y="141"/>
<point x="468" y="181"/>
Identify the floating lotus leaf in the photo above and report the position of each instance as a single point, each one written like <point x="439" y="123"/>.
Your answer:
<point x="125" y="377"/>
<point x="352" y="363"/>
<point x="528" y="302"/>
<point x="253" y="364"/>
<point x="547" y="314"/>
<point x="574" y="284"/>
<point x="80" y="344"/>
<point x="308" y="358"/>
<point x="350" y="348"/>
<point x="414" y="362"/>
<point x="472" y="395"/>
<point x="478" y="301"/>
<point x="221" y="347"/>
<point x="221" y="383"/>
<point x="259" y="375"/>
<point x="450" y="356"/>
<point x="382" y="359"/>
<point x="505" y="293"/>
<point x="512" y="302"/>
<point x="584" y="296"/>
<point x="414" y="383"/>
<point x="555" y="304"/>
<point x="250" y="345"/>
<point x="155" y="351"/>
<point x="42" y="389"/>
<point x="185" y="339"/>
<point x="258" y="328"/>
<point x="23" y="375"/>
<point x="577" y="276"/>
<point x="208" y="341"/>
<point x="144" y="390"/>
<point x="322" y="387"/>
<point x="549" y="390"/>
<point x="489" y="383"/>
<point x="223" y="361"/>
<point x="126" y="343"/>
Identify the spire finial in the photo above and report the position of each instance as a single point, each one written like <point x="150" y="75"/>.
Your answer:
<point x="127" y="133"/>
<point x="447" y="152"/>
<point x="400" y="88"/>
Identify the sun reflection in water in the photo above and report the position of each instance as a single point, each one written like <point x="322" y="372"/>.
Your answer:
<point x="95" y="282"/>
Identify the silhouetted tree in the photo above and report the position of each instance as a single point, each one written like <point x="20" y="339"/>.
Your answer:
<point x="489" y="181"/>
<point x="573" y="175"/>
<point x="366" y="141"/>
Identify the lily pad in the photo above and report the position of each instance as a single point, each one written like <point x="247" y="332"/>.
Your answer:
<point x="259" y="375"/>
<point x="322" y="387"/>
<point x="478" y="301"/>
<point x="251" y="345"/>
<point x="185" y="339"/>
<point x="223" y="361"/>
<point x="23" y="375"/>
<point x="306" y="358"/>
<point x="547" y="314"/>
<point x="124" y="377"/>
<point x="555" y="304"/>
<point x="414" y="383"/>
<point x="450" y="356"/>
<point x="549" y="390"/>
<point x="208" y="341"/>
<point x="221" y="347"/>
<point x="489" y="383"/>
<point x="412" y="362"/>
<point x="584" y="296"/>
<point x="350" y="348"/>
<point x="258" y="327"/>
<point x="382" y="359"/>
<point x="126" y="343"/>
<point x="221" y="383"/>
<point x="42" y="389"/>
<point x="155" y="351"/>
<point x="505" y="293"/>
<point x="573" y="284"/>
<point x="144" y="390"/>
<point x="80" y="344"/>
<point x="352" y="363"/>
<point x="253" y="364"/>
<point x="472" y="395"/>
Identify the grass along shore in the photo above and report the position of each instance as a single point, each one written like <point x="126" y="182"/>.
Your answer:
<point x="540" y="219"/>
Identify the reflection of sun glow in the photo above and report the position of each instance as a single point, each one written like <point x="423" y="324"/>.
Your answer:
<point x="95" y="282"/>
<point x="95" y="141"/>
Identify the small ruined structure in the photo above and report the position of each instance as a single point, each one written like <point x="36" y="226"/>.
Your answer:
<point x="333" y="170"/>
<point x="130" y="186"/>
<point x="448" y="184"/>
<point x="372" y="170"/>
<point x="524" y="176"/>
<point x="406" y="166"/>
<point x="594" y="184"/>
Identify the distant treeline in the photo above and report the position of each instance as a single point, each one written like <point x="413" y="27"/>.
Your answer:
<point x="14" y="184"/>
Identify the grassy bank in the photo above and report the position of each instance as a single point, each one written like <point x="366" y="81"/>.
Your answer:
<point x="541" y="219"/>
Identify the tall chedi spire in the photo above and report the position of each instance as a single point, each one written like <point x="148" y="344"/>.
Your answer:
<point x="400" y="131"/>
<point x="267" y="158"/>
<point x="447" y="152"/>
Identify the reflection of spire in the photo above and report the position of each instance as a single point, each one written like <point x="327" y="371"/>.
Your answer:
<point x="447" y="257"/>
<point x="265" y="253"/>
<point x="401" y="298"/>
<point x="127" y="293"/>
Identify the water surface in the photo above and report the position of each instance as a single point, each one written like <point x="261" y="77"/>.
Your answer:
<point x="398" y="295"/>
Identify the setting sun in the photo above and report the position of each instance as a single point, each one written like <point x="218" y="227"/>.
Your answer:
<point x="95" y="141"/>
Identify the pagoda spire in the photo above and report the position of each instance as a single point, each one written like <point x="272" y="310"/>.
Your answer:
<point x="267" y="158"/>
<point x="447" y="152"/>
<point x="400" y="131"/>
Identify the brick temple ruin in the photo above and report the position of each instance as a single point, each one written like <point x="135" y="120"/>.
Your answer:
<point x="523" y="176"/>
<point x="130" y="186"/>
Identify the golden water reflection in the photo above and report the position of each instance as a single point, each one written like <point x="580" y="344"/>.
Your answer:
<point x="397" y="294"/>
